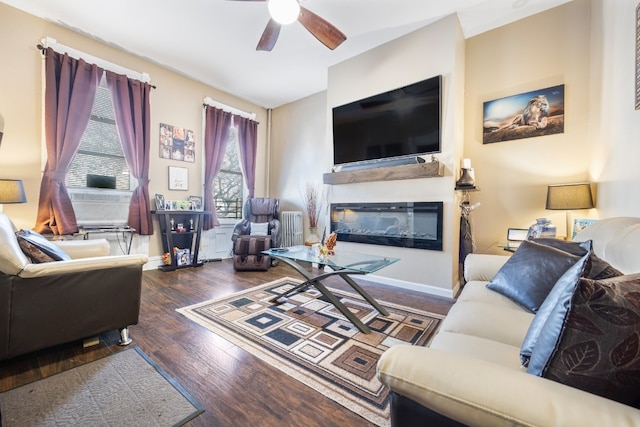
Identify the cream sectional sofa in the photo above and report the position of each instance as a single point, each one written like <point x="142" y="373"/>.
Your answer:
<point x="471" y="373"/>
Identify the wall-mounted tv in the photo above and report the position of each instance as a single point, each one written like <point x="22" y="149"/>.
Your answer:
<point x="398" y="123"/>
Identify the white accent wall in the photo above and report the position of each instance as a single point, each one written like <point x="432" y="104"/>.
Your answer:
<point x="302" y="144"/>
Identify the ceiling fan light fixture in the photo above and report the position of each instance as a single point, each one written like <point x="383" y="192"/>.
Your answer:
<point x="284" y="11"/>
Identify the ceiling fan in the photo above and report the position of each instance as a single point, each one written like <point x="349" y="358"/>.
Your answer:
<point x="284" y="12"/>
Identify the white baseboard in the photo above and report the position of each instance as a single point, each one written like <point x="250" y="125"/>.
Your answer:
<point x="153" y="263"/>
<point x="156" y="261"/>
<point x="419" y="287"/>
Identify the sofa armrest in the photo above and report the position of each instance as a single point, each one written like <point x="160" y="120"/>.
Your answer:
<point x="82" y="264"/>
<point x="480" y="393"/>
<point x="482" y="267"/>
<point x="84" y="248"/>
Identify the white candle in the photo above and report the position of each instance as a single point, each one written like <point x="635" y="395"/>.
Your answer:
<point x="466" y="163"/>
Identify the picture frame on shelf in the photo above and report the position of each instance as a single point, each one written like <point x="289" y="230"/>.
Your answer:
<point x="178" y="178"/>
<point x="183" y="257"/>
<point x="580" y="224"/>
<point x="160" y="203"/>
<point x="196" y="202"/>
<point x="180" y="205"/>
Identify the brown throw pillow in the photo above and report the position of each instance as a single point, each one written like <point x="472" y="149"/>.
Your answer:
<point x="595" y="344"/>
<point x="33" y="252"/>
<point x="38" y="248"/>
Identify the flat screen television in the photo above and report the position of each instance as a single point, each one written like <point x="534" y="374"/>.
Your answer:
<point x="398" y="123"/>
<point x="101" y="181"/>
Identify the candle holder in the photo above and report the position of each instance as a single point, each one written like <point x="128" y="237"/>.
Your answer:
<point x="466" y="181"/>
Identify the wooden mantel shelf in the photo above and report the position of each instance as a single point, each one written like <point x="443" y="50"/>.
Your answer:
<point x="419" y="170"/>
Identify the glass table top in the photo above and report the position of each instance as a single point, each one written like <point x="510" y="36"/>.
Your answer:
<point x="356" y="261"/>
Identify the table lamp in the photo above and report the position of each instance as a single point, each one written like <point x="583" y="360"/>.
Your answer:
<point x="11" y="191"/>
<point x="569" y="197"/>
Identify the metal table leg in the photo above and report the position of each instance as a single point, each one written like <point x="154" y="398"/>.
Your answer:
<point x="315" y="281"/>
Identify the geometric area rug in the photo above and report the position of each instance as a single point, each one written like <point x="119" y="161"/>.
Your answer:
<point x="122" y="389"/>
<point x="307" y="338"/>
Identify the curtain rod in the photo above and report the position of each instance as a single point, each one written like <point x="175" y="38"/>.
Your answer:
<point x="230" y="109"/>
<point x="60" y="48"/>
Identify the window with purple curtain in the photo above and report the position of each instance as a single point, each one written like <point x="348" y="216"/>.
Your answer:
<point x="216" y="135"/>
<point x="131" y="104"/>
<point x="248" y="145"/>
<point x="69" y="95"/>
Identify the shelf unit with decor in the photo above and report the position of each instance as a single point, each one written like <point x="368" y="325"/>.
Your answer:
<point x="181" y="229"/>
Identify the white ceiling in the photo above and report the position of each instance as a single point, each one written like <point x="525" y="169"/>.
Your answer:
<point x="214" y="41"/>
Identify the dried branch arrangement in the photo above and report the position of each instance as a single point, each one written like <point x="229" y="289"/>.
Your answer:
<point x="312" y="195"/>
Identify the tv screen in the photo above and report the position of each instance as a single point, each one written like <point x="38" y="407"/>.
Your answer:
<point x="400" y="122"/>
<point x="101" y="181"/>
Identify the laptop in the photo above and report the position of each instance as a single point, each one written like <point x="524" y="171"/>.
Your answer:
<point x="515" y="236"/>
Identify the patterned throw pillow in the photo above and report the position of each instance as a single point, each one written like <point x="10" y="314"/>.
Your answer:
<point x="38" y="248"/>
<point x="33" y="252"/>
<point x="529" y="275"/>
<point x="596" y="347"/>
<point x="589" y="266"/>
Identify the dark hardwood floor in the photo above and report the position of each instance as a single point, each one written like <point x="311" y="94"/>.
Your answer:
<point x="236" y="388"/>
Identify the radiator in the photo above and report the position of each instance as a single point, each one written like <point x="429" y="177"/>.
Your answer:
<point x="291" y="224"/>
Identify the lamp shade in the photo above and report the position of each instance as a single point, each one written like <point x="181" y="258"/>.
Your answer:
<point x="569" y="196"/>
<point x="12" y="191"/>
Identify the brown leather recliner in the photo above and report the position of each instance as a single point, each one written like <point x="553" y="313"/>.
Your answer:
<point x="49" y="303"/>
<point x="258" y="231"/>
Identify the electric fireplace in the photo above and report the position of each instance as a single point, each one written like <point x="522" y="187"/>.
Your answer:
<point x="415" y="225"/>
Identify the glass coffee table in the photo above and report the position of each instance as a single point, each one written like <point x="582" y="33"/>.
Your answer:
<point x="342" y="264"/>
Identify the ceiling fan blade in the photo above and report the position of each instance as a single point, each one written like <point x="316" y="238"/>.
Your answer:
<point x="326" y="33"/>
<point x="269" y="36"/>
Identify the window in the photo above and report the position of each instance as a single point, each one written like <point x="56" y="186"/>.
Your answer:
<point x="100" y="153"/>
<point x="228" y="187"/>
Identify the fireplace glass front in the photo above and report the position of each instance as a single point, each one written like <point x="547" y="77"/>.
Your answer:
<point x="415" y="225"/>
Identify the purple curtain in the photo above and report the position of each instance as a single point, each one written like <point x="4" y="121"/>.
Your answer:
<point x="216" y="134"/>
<point x="248" y="144"/>
<point x="131" y="104"/>
<point x="69" y="95"/>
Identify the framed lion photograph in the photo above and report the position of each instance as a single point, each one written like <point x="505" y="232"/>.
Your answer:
<point x="526" y="115"/>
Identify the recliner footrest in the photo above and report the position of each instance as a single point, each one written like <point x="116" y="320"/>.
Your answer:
<point x="248" y="253"/>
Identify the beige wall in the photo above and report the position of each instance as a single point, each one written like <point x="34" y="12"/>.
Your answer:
<point x="588" y="46"/>
<point x="544" y="50"/>
<point x="176" y="101"/>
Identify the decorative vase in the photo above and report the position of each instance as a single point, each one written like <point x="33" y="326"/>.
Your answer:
<point x="542" y="229"/>
<point x="312" y="237"/>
